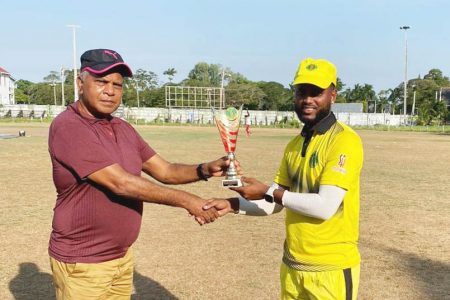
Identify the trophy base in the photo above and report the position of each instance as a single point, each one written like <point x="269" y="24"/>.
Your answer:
<point x="231" y="183"/>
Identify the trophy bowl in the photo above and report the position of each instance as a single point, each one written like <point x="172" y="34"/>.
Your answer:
<point x="228" y="122"/>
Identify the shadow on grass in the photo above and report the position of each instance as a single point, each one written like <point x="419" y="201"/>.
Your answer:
<point x="146" y="288"/>
<point x="32" y="284"/>
<point x="432" y="277"/>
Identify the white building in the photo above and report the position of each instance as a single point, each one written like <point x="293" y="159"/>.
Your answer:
<point x="7" y="85"/>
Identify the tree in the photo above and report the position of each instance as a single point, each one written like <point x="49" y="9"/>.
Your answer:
<point x="277" y="97"/>
<point x="204" y="74"/>
<point x="429" y="109"/>
<point x="436" y="76"/>
<point x="41" y="93"/>
<point x="23" y="91"/>
<point x="237" y="78"/>
<point x="339" y="87"/>
<point x="53" y="77"/>
<point x="383" y="99"/>
<point x="339" y="84"/>
<point x="432" y="112"/>
<point x="247" y="94"/>
<point x="143" y="80"/>
<point x="359" y="93"/>
<point x="170" y="73"/>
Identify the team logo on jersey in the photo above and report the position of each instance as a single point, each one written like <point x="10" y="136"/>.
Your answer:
<point x="314" y="160"/>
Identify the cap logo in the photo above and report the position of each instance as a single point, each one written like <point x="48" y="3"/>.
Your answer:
<point x="311" y="67"/>
<point x="113" y="54"/>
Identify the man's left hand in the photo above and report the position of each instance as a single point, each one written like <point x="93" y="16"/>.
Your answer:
<point x="252" y="190"/>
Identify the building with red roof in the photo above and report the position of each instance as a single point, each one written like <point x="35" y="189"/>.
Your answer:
<point x="7" y="86"/>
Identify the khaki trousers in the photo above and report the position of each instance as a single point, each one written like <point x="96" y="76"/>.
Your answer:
<point x="107" y="280"/>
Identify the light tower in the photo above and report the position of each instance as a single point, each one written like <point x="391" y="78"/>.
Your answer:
<point x="405" y="28"/>
<point x="75" y="90"/>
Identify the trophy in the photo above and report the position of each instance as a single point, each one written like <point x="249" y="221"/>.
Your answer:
<point x="228" y="122"/>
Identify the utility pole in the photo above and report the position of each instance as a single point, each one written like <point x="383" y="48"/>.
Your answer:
<point x="75" y="89"/>
<point x="53" y="84"/>
<point x="137" y="94"/>
<point x="222" y="90"/>
<point x="63" y="101"/>
<point x="405" y="28"/>
<point x="222" y="96"/>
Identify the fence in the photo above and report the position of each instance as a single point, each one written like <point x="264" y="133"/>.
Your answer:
<point x="30" y="111"/>
<point x="198" y="116"/>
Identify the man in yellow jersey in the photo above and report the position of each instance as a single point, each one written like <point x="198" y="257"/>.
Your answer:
<point x="318" y="184"/>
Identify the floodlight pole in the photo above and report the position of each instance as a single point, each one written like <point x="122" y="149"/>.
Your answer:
<point x="75" y="89"/>
<point x="405" y="28"/>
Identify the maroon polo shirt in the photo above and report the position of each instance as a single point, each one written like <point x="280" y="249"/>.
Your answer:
<point x="91" y="224"/>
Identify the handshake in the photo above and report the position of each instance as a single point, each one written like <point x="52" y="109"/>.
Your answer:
<point x="207" y="211"/>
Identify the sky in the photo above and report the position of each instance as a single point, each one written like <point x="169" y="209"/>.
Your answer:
<point x="263" y="40"/>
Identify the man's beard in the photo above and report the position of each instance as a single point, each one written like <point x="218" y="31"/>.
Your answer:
<point x="321" y="114"/>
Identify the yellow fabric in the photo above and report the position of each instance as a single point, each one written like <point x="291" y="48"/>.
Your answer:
<point x="112" y="280"/>
<point x="319" y="72"/>
<point x="328" y="285"/>
<point x="332" y="158"/>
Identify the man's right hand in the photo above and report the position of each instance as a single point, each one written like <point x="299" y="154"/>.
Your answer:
<point x="195" y="208"/>
<point x="223" y="206"/>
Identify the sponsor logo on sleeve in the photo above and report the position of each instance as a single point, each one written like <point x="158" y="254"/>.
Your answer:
<point x="341" y="163"/>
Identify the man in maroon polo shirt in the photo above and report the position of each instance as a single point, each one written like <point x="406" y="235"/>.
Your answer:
<point x="97" y="162"/>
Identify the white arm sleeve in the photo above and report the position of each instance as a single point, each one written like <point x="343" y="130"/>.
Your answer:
<point x="258" y="207"/>
<point x="322" y="205"/>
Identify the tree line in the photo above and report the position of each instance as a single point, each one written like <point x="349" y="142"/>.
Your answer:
<point x="146" y="89"/>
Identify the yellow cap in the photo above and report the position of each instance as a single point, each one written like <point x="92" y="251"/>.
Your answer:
<point x="319" y="72"/>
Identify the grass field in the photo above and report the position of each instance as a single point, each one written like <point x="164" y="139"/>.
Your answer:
<point x="404" y="231"/>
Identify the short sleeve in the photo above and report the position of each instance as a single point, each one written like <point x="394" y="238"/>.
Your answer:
<point x="344" y="161"/>
<point x="146" y="152"/>
<point x="78" y="148"/>
<point x="282" y="176"/>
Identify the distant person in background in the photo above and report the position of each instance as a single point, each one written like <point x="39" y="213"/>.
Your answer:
<point x="97" y="162"/>
<point x="247" y="123"/>
<point x="318" y="184"/>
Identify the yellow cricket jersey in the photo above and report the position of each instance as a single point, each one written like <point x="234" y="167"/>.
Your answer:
<point x="333" y="156"/>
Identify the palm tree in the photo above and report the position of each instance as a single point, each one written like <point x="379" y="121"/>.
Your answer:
<point x="170" y="73"/>
<point x="51" y="79"/>
<point x="383" y="97"/>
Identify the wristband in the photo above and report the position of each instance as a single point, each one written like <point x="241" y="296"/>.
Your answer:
<point x="200" y="173"/>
